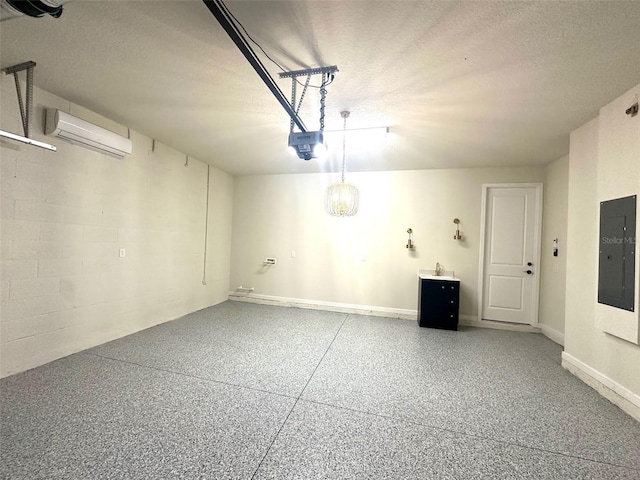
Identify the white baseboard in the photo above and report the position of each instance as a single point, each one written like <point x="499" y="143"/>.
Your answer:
<point x="552" y="334"/>
<point x="469" y="321"/>
<point x="605" y="386"/>
<point x="321" y="305"/>
<point x="405" y="314"/>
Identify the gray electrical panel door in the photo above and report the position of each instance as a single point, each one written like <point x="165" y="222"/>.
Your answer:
<point x="616" y="275"/>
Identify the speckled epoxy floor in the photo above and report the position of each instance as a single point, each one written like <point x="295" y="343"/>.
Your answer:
<point x="242" y="391"/>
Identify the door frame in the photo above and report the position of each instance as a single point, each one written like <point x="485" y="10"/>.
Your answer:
<point x="537" y="245"/>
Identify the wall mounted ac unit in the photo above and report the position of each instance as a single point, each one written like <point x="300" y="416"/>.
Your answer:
<point x="32" y="8"/>
<point x="80" y="132"/>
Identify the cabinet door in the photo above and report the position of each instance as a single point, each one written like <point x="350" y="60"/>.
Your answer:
<point x="438" y="306"/>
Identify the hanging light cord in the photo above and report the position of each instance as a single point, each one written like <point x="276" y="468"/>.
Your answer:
<point x="344" y="142"/>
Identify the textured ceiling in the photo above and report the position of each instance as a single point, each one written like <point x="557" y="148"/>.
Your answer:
<point x="461" y="84"/>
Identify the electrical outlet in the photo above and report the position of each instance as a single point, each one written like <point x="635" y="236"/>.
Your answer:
<point x="123" y="252"/>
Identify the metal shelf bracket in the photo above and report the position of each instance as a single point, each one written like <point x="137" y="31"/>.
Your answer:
<point x="25" y="110"/>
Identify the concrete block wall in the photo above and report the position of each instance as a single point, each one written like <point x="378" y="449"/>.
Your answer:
<point x="65" y="216"/>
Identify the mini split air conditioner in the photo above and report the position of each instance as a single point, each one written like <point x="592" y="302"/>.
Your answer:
<point x="80" y="132"/>
<point x="32" y="8"/>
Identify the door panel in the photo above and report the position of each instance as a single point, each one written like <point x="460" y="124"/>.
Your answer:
<point x="505" y="292"/>
<point x="507" y="239"/>
<point x="510" y="276"/>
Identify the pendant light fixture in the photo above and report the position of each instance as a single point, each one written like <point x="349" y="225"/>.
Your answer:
<point x="342" y="197"/>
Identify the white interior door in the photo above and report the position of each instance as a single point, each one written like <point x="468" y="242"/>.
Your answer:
<point x="510" y="277"/>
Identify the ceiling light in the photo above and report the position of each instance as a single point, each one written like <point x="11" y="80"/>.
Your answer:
<point x="360" y="139"/>
<point x="368" y="131"/>
<point x="319" y="150"/>
<point x="343" y="198"/>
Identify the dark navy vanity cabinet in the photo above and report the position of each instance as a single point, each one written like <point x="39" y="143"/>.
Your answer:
<point x="438" y="302"/>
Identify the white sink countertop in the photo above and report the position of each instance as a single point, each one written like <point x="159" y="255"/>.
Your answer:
<point x="448" y="275"/>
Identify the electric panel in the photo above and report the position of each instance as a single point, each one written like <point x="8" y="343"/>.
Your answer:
<point x="616" y="273"/>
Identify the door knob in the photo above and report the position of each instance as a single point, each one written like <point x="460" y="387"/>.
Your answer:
<point x="528" y="272"/>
